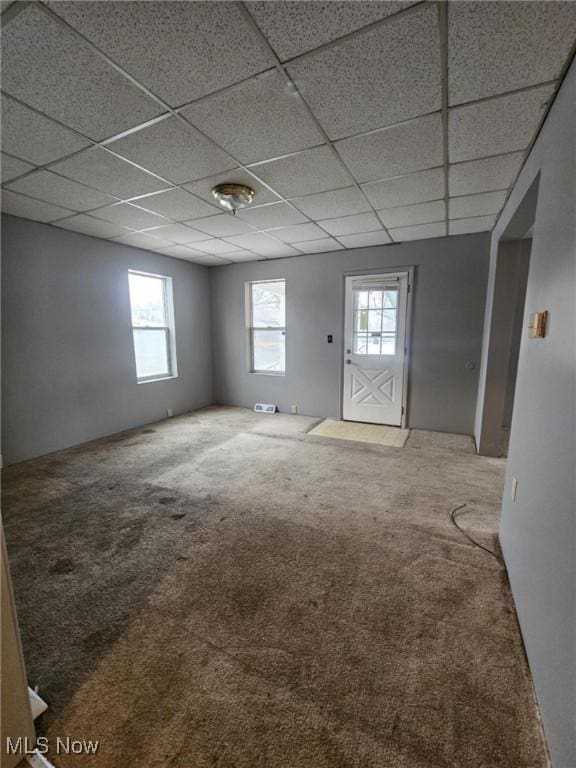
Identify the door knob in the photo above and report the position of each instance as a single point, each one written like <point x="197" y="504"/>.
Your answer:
<point x="348" y="362"/>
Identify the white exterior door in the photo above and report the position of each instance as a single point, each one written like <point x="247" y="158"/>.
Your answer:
<point x="375" y="348"/>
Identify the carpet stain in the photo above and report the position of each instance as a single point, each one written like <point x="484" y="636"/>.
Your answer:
<point x="64" y="565"/>
<point x="330" y="617"/>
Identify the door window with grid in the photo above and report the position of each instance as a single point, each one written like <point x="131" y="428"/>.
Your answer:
<point x="267" y="326"/>
<point x="152" y="326"/>
<point x="375" y="320"/>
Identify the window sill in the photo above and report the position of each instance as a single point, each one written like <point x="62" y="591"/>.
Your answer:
<point x="153" y="381"/>
<point x="268" y="373"/>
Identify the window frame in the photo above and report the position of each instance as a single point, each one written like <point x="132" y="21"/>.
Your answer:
<point x="250" y="327"/>
<point x="168" y="328"/>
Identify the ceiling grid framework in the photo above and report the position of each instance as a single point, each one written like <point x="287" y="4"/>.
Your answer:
<point x="338" y="156"/>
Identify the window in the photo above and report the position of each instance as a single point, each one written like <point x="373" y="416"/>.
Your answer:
<point x="375" y="312"/>
<point x="267" y="326"/>
<point x="152" y="326"/>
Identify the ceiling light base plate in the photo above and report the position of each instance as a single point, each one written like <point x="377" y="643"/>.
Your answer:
<point x="233" y="197"/>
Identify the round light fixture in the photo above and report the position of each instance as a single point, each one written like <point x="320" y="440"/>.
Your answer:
<point x="232" y="197"/>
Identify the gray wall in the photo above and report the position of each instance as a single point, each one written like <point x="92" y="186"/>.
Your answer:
<point x="538" y="531"/>
<point x="67" y="354"/>
<point x="448" y="309"/>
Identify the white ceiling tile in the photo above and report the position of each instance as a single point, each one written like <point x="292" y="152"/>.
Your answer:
<point x="476" y="205"/>
<point x="129" y="216"/>
<point x="241" y="255"/>
<point x="407" y="215"/>
<point x="179" y="50"/>
<point x="175" y="204"/>
<point x="180" y="252"/>
<point x="34" y="137"/>
<point x="314" y="170"/>
<point x="27" y="208"/>
<point x="345" y="85"/>
<point x="87" y="225"/>
<point x="412" y="146"/>
<point x="142" y="240"/>
<point x="260" y="243"/>
<point x="328" y="205"/>
<point x="351" y="225"/>
<point x="484" y="175"/>
<point x="406" y="190"/>
<point x="222" y="225"/>
<point x="216" y="247"/>
<point x="476" y="224"/>
<point x="273" y="215"/>
<point x="420" y="232"/>
<point x="104" y="171"/>
<point x="268" y="121"/>
<point x="60" y="191"/>
<point x="497" y="126"/>
<point x="366" y="239"/>
<point x="499" y="47"/>
<point x="47" y="66"/>
<point x="299" y="26"/>
<point x="320" y="246"/>
<point x="173" y="149"/>
<point x="203" y="188"/>
<point x="283" y="252"/>
<point x="12" y="167"/>
<point x="179" y="233"/>
<point x="298" y="233"/>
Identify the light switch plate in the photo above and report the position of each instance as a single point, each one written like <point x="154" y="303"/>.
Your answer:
<point x="537" y="325"/>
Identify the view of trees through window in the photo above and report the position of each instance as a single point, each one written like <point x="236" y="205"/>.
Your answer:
<point x="268" y="326"/>
<point x="150" y="326"/>
<point x="375" y="321"/>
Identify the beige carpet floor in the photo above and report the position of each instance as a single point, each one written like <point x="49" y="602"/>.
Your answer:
<point x="394" y="437"/>
<point x="222" y="590"/>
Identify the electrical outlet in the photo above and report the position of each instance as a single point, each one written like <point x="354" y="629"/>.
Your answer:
<point x="169" y="413"/>
<point x="514" y="488"/>
<point x="293" y="409"/>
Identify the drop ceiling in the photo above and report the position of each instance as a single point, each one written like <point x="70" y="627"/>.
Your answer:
<point x="357" y="123"/>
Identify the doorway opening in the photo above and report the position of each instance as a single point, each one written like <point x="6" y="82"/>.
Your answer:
<point x="507" y="327"/>
<point x="375" y="348"/>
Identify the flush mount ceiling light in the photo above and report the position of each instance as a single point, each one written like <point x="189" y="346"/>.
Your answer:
<point x="232" y="197"/>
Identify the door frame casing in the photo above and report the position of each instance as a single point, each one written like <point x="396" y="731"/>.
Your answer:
<point x="409" y="271"/>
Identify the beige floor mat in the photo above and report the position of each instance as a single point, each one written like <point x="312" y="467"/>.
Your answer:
<point x="378" y="434"/>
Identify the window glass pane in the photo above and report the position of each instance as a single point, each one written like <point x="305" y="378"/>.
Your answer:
<point x="375" y="320"/>
<point x="269" y="304"/>
<point x="375" y="312"/>
<point x="268" y="351"/>
<point x="151" y="348"/>
<point x="374" y="343"/>
<point x="147" y="300"/>
<point x="375" y="299"/>
<point x="390" y="298"/>
<point x="361" y="320"/>
<point x="360" y="344"/>
<point x="389" y="320"/>
<point x="389" y="345"/>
